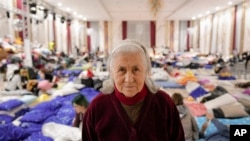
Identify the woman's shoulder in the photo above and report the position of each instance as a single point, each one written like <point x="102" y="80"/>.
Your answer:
<point x="162" y="95"/>
<point x="101" y="99"/>
<point x="164" y="98"/>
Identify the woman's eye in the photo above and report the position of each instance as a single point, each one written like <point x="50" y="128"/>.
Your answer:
<point x="136" y="69"/>
<point x="122" y="70"/>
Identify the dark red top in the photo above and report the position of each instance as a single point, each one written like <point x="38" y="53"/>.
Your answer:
<point x="106" y="120"/>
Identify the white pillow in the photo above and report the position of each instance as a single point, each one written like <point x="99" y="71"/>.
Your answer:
<point x="66" y="91"/>
<point x="220" y="101"/>
<point x="78" y="86"/>
<point x="73" y="86"/>
<point x="160" y="75"/>
<point x="60" y="132"/>
<point x="28" y="99"/>
<point x="234" y="110"/>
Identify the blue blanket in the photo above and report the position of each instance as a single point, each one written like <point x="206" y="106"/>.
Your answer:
<point x="212" y="129"/>
<point x="169" y="84"/>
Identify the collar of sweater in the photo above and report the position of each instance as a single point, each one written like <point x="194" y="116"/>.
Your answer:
<point x="131" y="100"/>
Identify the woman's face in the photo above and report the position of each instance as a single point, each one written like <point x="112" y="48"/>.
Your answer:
<point x="79" y="108"/>
<point x="128" y="71"/>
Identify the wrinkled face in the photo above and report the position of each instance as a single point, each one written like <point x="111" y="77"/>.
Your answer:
<point x="128" y="71"/>
<point x="79" y="108"/>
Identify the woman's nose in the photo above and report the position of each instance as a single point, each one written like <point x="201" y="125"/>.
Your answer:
<point x="129" y="77"/>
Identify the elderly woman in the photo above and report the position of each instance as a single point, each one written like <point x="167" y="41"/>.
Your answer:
<point x="131" y="107"/>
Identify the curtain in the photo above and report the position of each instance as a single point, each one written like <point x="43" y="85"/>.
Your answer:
<point x="106" y="37"/>
<point x="69" y="46"/>
<point x="54" y="32"/>
<point x="171" y="36"/>
<point x="205" y="34"/>
<point x="160" y="34"/>
<point x="95" y="36"/>
<point x="246" y="40"/>
<point x="176" y="36"/>
<point x="183" y="36"/>
<point x="238" y="23"/>
<point x="152" y="34"/>
<point x="188" y="36"/>
<point x="19" y="4"/>
<point x="124" y="30"/>
<point x="195" y="35"/>
<point x="88" y="37"/>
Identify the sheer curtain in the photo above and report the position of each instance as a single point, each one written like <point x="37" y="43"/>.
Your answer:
<point x="140" y="31"/>
<point x="247" y="29"/>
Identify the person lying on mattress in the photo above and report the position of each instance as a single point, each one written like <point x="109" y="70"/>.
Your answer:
<point x="131" y="107"/>
<point x="222" y="134"/>
<point x="80" y="105"/>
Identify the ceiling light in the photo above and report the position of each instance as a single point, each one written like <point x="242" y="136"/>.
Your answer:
<point x="230" y="3"/>
<point x="59" y="4"/>
<point x="68" y="9"/>
<point x="80" y="16"/>
<point x="200" y="15"/>
<point x="217" y="8"/>
<point x="208" y="12"/>
<point x="85" y="19"/>
<point x="193" y="18"/>
<point x="75" y="13"/>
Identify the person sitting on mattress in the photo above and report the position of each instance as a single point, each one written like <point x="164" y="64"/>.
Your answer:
<point x="189" y="124"/>
<point x="14" y="82"/>
<point x="130" y="107"/>
<point x="80" y="105"/>
<point x="222" y="134"/>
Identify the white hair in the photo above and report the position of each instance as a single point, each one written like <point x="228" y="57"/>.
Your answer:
<point x="129" y="46"/>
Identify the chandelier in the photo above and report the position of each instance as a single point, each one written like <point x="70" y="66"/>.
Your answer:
<point x="155" y="6"/>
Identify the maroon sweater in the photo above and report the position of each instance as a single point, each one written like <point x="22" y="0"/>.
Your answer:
<point x="106" y="120"/>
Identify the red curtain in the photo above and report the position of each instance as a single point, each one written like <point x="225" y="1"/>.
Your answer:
<point x="124" y="30"/>
<point x="69" y="36"/>
<point x="152" y="34"/>
<point x="19" y="4"/>
<point x="54" y="32"/>
<point x="88" y="37"/>
<point x="188" y="36"/>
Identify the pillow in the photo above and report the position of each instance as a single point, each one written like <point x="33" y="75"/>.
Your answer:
<point x="198" y="92"/>
<point x="28" y="99"/>
<point x="44" y="85"/>
<point x="10" y="104"/>
<point x="5" y="119"/>
<point x="191" y="86"/>
<point x="78" y="86"/>
<point x="65" y="91"/>
<point x="14" y="133"/>
<point x="64" y="132"/>
<point x="245" y="103"/>
<point x="48" y="106"/>
<point x="220" y="101"/>
<point x="197" y="109"/>
<point x="234" y="110"/>
<point x="36" y="116"/>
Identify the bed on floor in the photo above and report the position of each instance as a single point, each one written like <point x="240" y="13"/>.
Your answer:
<point x="21" y="122"/>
